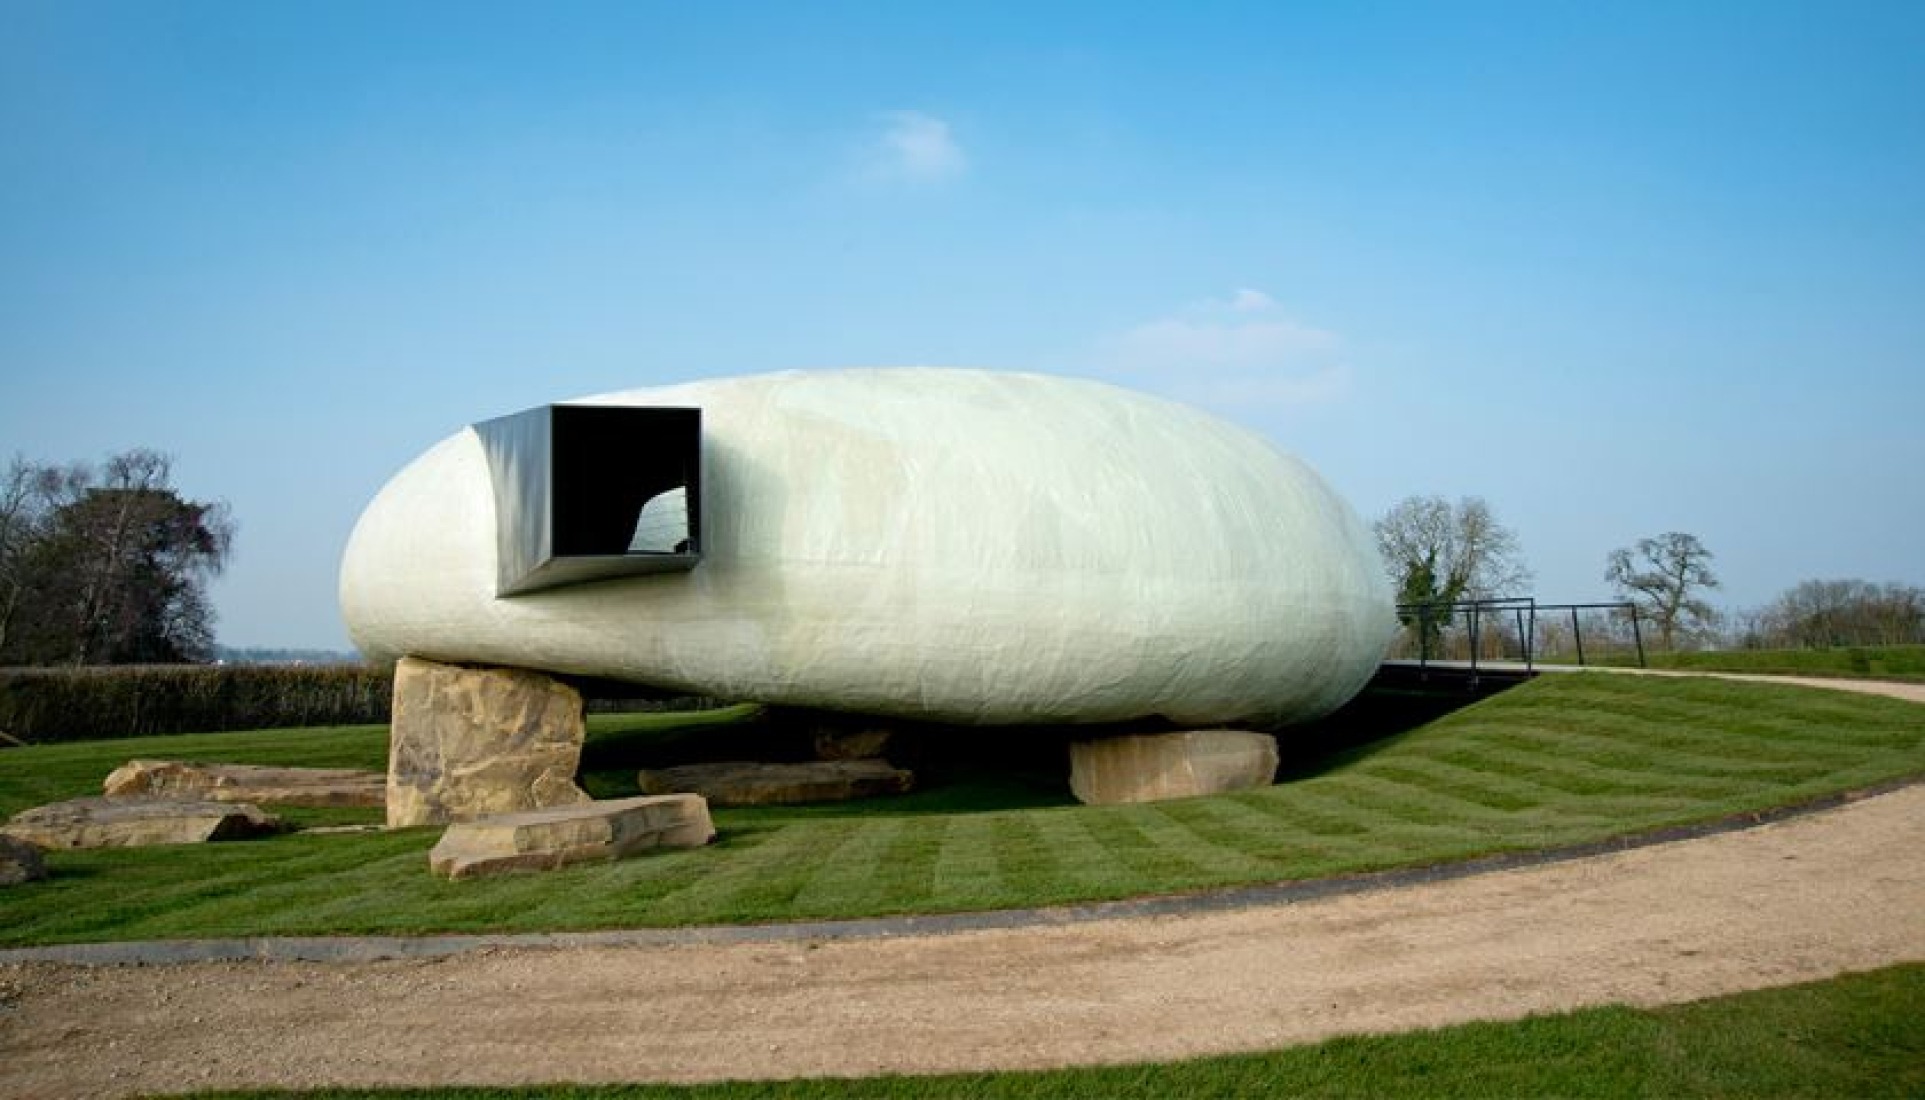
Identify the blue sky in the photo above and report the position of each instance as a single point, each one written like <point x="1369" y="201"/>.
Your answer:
<point x="1618" y="268"/>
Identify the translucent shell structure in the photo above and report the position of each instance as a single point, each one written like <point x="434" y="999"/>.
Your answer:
<point x="965" y="546"/>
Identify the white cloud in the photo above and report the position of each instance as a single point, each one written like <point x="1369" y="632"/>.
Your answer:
<point x="916" y="146"/>
<point x="1240" y="353"/>
<point x="1251" y="301"/>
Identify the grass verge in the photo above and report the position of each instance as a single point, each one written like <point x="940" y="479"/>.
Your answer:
<point x="1851" y="1036"/>
<point x="1562" y="760"/>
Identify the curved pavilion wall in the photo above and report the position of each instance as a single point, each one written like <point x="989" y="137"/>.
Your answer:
<point x="964" y="546"/>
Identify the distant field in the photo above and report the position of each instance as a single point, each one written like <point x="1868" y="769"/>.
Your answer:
<point x="1561" y="760"/>
<point x="1852" y="1036"/>
<point x="1892" y="662"/>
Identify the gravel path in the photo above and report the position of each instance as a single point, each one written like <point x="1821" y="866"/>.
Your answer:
<point x="1890" y="689"/>
<point x="1803" y="899"/>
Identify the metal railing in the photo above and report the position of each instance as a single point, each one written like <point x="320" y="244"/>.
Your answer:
<point x="1431" y="619"/>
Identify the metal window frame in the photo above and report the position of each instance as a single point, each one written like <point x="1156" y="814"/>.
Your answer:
<point x="520" y="449"/>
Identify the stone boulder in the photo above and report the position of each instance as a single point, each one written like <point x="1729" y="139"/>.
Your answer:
<point x="542" y="840"/>
<point x="831" y="735"/>
<point x="852" y="744"/>
<point x="262" y="786"/>
<point x="20" y="861"/>
<point x="137" y="822"/>
<point x="468" y="742"/>
<point x="1153" y="767"/>
<point x="744" y="783"/>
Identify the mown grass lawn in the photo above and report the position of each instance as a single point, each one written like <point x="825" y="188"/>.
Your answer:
<point x="1561" y="760"/>
<point x="1853" y="1036"/>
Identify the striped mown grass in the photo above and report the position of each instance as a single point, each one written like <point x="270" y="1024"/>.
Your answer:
<point x="1565" y="759"/>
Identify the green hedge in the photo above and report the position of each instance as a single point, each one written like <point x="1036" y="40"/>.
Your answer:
<point x="39" y="705"/>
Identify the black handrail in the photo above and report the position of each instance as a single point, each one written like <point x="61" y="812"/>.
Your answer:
<point x="1429" y="616"/>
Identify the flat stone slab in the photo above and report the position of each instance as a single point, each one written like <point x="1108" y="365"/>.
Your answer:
<point x="745" y="783"/>
<point x="542" y="840"/>
<point x="469" y="742"/>
<point x="255" y="783"/>
<point x="1158" y="766"/>
<point x="138" y="822"/>
<point x="20" y="861"/>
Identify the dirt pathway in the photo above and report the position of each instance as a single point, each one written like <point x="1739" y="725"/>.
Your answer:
<point x="1804" y="899"/>
<point x="1890" y="689"/>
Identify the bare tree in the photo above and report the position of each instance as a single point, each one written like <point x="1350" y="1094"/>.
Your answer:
<point x="19" y="522"/>
<point x="1818" y="613"/>
<point x="106" y="569"/>
<point x="1438" y="553"/>
<point x="31" y="494"/>
<point x="1664" y="577"/>
<point x="106" y="545"/>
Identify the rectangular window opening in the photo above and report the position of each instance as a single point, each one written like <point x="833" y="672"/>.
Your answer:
<point x="593" y="492"/>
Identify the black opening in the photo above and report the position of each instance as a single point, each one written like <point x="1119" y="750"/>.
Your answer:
<point x="608" y="463"/>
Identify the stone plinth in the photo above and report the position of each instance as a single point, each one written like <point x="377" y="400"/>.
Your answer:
<point x="20" y="861"/>
<point x="138" y="822"/>
<point x="743" y="783"/>
<point x="468" y="742"/>
<point x="262" y="786"/>
<point x="542" y="840"/>
<point x="1153" y="767"/>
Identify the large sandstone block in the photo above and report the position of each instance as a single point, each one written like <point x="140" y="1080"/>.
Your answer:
<point x="138" y="822"/>
<point x="260" y="785"/>
<point x="744" y="783"/>
<point x="20" y="861"/>
<point x="468" y="742"/>
<point x="541" y="840"/>
<point x="1153" y="767"/>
